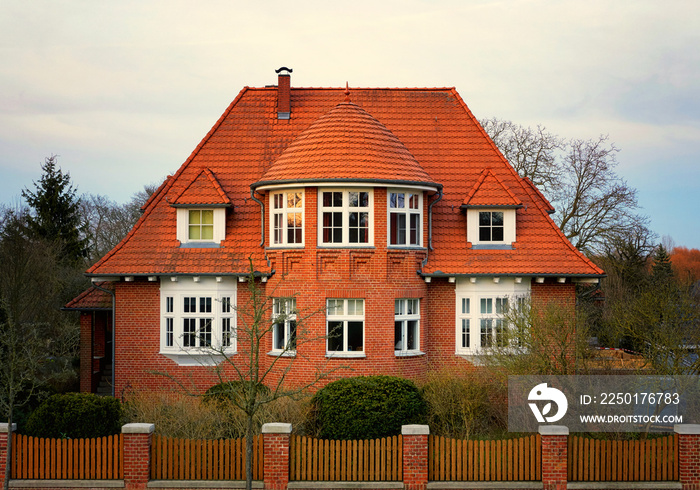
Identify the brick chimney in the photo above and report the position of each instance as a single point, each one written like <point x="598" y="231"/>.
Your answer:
<point x="284" y="103"/>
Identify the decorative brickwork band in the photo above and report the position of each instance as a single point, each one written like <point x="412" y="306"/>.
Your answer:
<point x="415" y="456"/>
<point x="276" y="454"/>
<point x="689" y="451"/>
<point x="3" y="450"/>
<point x="137" y="455"/>
<point x="554" y="456"/>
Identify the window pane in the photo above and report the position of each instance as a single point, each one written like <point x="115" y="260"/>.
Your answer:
<point x="205" y="304"/>
<point x="465" y="333"/>
<point x="194" y="233"/>
<point x="335" y="336"/>
<point x="327" y="199"/>
<point x="189" y="327"/>
<point x="497" y="234"/>
<point x="484" y="218"/>
<point x="465" y="305"/>
<point x="207" y="217"/>
<point x="226" y="304"/>
<point x="204" y="332"/>
<point x="355" y="336"/>
<point x="169" y="334"/>
<point x="393" y="199"/>
<point x="195" y="217"/>
<point x="338" y="199"/>
<point x="190" y="305"/>
<point x="413" y="201"/>
<point x="398" y="335"/>
<point x="353" y="199"/>
<point x="497" y="218"/>
<point x="364" y="199"/>
<point x="207" y="232"/>
<point x="398" y="307"/>
<point x="486" y="306"/>
<point x="278" y="336"/>
<point x="486" y="332"/>
<point x="292" y="334"/>
<point x="411" y="335"/>
<point x="226" y="332"/>
<point x="484" y="234"/>
<point x="415" y="229"/>
<point x="169" y="304"/>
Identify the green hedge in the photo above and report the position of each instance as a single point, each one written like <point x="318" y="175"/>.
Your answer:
<point x="76" y="415"/>
<point x="367" y="407"/>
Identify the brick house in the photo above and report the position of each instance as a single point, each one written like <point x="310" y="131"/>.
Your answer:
<point x="389" y="211"/>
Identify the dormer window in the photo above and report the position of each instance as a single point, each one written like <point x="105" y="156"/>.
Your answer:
<point x="405" y="218"/>
<point x="201" y="227"/>
<point x="287" y="218"/>
<point x="491" y="228"/>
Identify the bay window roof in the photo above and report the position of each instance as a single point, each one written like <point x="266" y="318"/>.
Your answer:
<point x="347" y="144"/>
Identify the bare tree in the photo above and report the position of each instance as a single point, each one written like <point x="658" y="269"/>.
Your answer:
<point x="252" y="379"/>
<point x="593" y="204"/>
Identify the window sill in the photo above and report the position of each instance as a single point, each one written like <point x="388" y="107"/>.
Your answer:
<point x="200" y="245"/>
<point x="409" y="353"/>
<point x="406" y="247"/>
<point x="285" y="247"/>
<point x="197" y="357"/>
<point x="279" y="353"/>
<point x="346" y="355"/>
<point x="492" y="246"/>
<point x="354" y="246"/>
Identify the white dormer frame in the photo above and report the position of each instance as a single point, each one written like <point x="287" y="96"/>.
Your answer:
<point x="508" y="226"/>
<point x="183" y="218"/>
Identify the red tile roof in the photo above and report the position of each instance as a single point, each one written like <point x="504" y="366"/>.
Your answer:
<point x="92" y="299"/>
<point x="490" y="191"/>
<point x="431" y="136"/>
<point x="346" y="143"/>
<point x="204" y="189"/>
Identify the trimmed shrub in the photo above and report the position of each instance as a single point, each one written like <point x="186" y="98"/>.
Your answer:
<point x="76" y="415"/>
<point x="367" y="407"/>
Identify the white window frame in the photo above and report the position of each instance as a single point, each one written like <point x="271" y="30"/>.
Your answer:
<point x="469" y="318"/>
<point x="406" y="310"/>
<point x="176" y="342"/>
<point x="183" y="225"/>
<point x="284" y="309"/>
<point x="343" y="312"/>
<point x="345" y="210"/>
<point x="406" y="211"/>
<point x="280" y="213"/>
<point x="509" y="227"/>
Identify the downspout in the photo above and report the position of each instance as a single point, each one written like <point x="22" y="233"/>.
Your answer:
<point x="262" y="215"/>
<point x="430" y="225"/>
<point x="114" y="329"/>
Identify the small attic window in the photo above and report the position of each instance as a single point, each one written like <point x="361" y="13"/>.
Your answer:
<point x="201" y="227"/>
<point x="491" y="227"/>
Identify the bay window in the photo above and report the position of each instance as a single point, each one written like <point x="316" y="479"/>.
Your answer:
<point x="198" y="319"/>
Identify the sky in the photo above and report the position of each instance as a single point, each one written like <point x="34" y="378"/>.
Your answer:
<point x="123" y="91"/>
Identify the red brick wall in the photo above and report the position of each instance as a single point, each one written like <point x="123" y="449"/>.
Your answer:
<point x="86" y="352"/>
<point x="379" y="275"/>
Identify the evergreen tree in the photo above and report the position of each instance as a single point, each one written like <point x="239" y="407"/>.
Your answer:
<point x="56" y="212"/>
<point x="661" y="270"/>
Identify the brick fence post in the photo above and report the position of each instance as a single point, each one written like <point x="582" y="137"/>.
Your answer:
<point x="137" y="455"/>
<point x="3" y="450"/>
<point x="276" y="454"/>
<point x="415" y="456"/>
<point x="688" y="455"/>
<point x="554" y="456"/>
